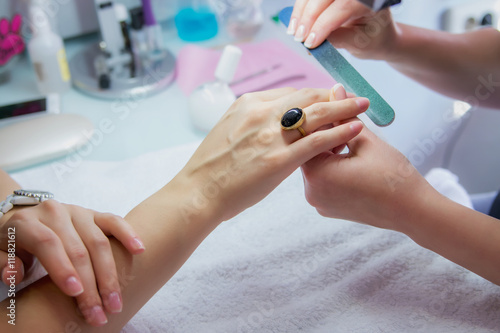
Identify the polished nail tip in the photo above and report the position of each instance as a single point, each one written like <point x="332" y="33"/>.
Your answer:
<point x="115" y="302"/>
<point x="138" y="244"/>
<point x="291" y="27"/>
<point x="337" y="86"/>
<point x="97" y="313"/>
<point x="299" y="36"/>
<point x="74" y="286"/>
<point x="310" y="40"/>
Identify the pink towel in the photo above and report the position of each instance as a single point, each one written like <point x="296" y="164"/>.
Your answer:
<point x="196" y="65"/>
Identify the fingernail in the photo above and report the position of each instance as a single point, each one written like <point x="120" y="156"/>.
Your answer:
<point x="74" y="286"/>
<point x="363" y="103"/>
<point x="299" y="36"/>
<point x="96" y="316"/>
<point x="337" y="86"/>
<point x="114" y="302"/>
<point x="137" y="244"/>
<point x="334" y="90"/>
<point x="310" y="40"/>
<point x="292" y="27"/>
<point x="356" y="126"/>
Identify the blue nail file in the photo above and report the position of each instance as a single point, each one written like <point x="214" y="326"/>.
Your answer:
<point x="380" y="112"/>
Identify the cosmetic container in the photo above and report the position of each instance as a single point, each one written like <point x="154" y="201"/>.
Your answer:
<point x="137" y="33"/>
<point x="152" y="28"/>
<point x="47" y="53"/>
<point x="196" y="20"/>
<point x="241" y="19"/>
<point x="210" y="101"/>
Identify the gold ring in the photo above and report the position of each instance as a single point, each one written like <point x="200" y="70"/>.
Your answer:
<point x="293" y="119"/>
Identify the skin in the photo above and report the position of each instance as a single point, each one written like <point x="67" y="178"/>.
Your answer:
<point x="239" y="163"/>
<point x="72" y="244"/>
<point x="462" y="66"/>
<point x="375" y="184"/>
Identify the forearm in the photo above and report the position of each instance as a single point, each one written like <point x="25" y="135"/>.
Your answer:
<point x="456" y="65"/>
<point x="460" y="234"/>
<point x="7" y="185"/>
<point x="170" y="230"/>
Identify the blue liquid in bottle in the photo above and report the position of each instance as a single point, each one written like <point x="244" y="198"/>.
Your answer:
<point x="195" y="25"/>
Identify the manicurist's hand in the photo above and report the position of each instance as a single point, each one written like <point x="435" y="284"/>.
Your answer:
<point x="72" y="244"/>
<point x="374" y="183"/>
<point x="346" y="24"/>
<point x="248" y="154"/>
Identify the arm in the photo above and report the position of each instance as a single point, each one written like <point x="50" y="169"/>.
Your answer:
<point x="70" y="243"/>
<point x="241" y="160"/>
<point x="376" y="185"/>
<point x="463" y="66"/>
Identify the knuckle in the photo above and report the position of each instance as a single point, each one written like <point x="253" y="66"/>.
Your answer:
<point x="317" y="140"/>
<point x="78" y="254"/>
<point x="51" y="206"/>
<point x="19" y="217"/>
<point x="272" y="161"/>
<point x="318" y="111"/>
<point x="101" y="243"/>
<point x="46" y="237"/>
<point x="245" y="98"/>
<point x="115" y="219"/>
<point x="311" y="94"/>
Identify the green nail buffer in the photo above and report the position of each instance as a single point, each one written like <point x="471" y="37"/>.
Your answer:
<point x="380" y="112"/>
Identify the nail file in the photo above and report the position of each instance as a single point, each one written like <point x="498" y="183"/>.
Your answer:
<point x="380" y="112"/>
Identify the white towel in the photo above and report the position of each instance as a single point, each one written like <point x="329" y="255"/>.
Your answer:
<point x="280" y="267"/>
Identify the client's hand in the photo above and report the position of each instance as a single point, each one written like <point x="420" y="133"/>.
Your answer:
<point x="374" y="183"/>
<point x="248" y="154"/>
<point x="72" y="244"/>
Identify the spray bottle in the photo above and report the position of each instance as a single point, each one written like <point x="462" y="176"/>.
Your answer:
<point x="46" y="50"/>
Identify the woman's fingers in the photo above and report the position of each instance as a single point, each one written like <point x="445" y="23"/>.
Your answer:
<point x="116" y="226"/>
<point x="61" y="223"/>
<point x="310" y="14"/>
<point x="326" y="113"/>
<point x="322" y="141"/>
<point x="99" y="249"/>
<point x="298" y="9"/>
<point x="338" y="93"/>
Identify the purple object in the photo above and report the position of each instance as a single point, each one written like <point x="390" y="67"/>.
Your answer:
<point x="149" y="17"/>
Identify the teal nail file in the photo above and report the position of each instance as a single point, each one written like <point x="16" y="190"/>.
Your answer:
<point x="380" y="112"/>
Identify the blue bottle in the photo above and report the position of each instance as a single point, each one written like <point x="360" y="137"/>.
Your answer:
<point x="196" y="22"/>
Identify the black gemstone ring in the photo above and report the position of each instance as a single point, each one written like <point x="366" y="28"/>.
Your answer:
<point x="293" y="119"/>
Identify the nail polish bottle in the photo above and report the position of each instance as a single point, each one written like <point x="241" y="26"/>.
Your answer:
<point x="210" y="101"/>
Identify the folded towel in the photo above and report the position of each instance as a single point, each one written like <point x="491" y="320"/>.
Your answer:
<point x="281" y="267"/>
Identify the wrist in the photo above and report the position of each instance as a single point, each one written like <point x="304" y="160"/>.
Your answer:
<point x="394" y="43"/>
<point x="419" y="219"/>
<point x="198" y="202"/>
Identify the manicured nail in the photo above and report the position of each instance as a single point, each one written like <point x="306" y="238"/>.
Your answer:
<point x="362" y="102"/>
<point x="292" y="27"/>
<point x="299" y="36"/>
<point x="138" y="244"/>
<point x="335" y="89"/>
<point x="114" y="303"/>
<point x="96" y="316"/>
<point x="310" y="40"/>
<point x="74" y="286"/>
<point x="337" y="86"/>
